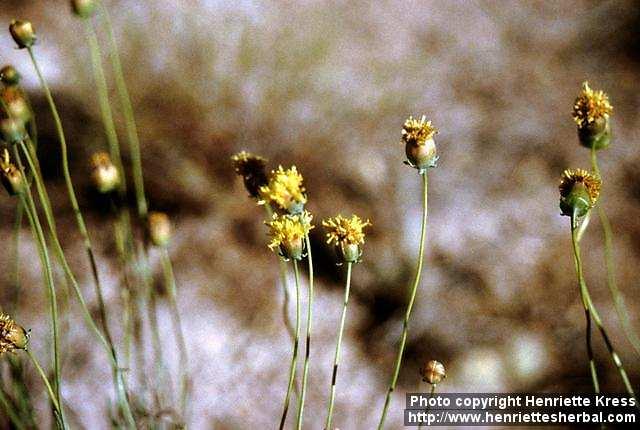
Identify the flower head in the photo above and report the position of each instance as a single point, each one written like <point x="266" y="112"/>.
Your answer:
<point x="9" y="75"/>
<point x="433" y="372"/>
<point x="252" y="169"/>
<point x="284" y="189"/>
<point x="288" y="232"/>
<point x="16" y="102"/>
<point x="347" y="235"/>
<point x="579" y="191"/>
<point x="83" y="8"/>
<point x="10" y="175"/>
<point x="105" y="174"/>
<point x="590" y="105"/>
<point x="160" y="229"/>
<point x="417" y="132"/>
<point x="23" y="33"/>
<point x="420" y="147"/>
<point x="12" y="335"/>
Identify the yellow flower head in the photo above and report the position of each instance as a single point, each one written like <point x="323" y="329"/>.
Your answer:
<point x="285" y="189"/>
<point x="246" y="163"/>
<point x="417" y="132"/>
<point x="288" y="232"/>
<point x="12" y="336"/>
<point x="571" y="177"/>
<point x="347" y="231"/>
<point x="590" y="105"/>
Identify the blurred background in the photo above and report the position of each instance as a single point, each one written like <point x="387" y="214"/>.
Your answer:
<point x="326" y="85"/>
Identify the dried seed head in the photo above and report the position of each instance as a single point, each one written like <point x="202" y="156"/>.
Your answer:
<point x="252" y="169"/>
<point x="12" y="336"/>
<point x="83" y="8"/>
<point x="433" y="372"/>
<point x="23" y="33"/>
<point x="16" y="103"/>
<point x="11" y="177"/>
<point x="285" y="190"/>
<point x="12" y="130"/>
<point x="420" y="147"/>
<point x="288" y="233"/>
<point x="591" y="112"/>
<point x="105" y="174"/>
<point x="347" y="235"/>
<point x="579" y="192"/>
<point x="160" y="229"/>
<point x="9" y="75"/>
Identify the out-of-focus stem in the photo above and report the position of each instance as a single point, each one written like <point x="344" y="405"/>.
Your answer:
<point x="294" y="356"/>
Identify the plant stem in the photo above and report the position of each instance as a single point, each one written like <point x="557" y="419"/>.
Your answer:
<point x="618" y="298"/>
<point x="54" y="399"/>
<point x="412" y="298"/>
<point x="16" y="246"/>
<point x="36" y="227"/>
<point x="307" y="344"/>
<point x="127" y="109"/>
<point x="170" y="282"/>
<point x="336" y="359"/>
<point x="8" y="408"/>
<point x="431" y="394"/>
<point x="594" y="313"/>
<point x="46" y="205"/>
<point x="294" y="356"/>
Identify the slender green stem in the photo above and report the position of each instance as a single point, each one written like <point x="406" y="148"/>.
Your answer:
<point x="307" y="344"/>
<point x="431" y="394"/>
<point x="294" y="356"/>
<point x="127" y="108"/>
<point x="9" y="410"/>
<point x="16" y="255"/>
<point x="596" y="316"/>
<point x="412" y="298"/>
<point x="54" y="400"/>
<point x="616" y="294"/>
<point x="46" y="204"/>
<point x="170" y="282"/>
<point x="336" y="359"/>
<point x="587" y="310"/>
<point x="36" y="226"/>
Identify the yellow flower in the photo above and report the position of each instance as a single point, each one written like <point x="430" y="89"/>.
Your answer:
<point x="590" y="105"/>
<point x="285" y="189"/>
<point x="12" y="336"/>
<point x="416" y="132"/>
<point x="346" y="231"/>
<point x="288" y="232"/>
<point x="571" y="177"/>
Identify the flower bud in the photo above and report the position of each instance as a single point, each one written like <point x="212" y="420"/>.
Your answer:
<point x="23" y="33"/>
<point x="160" y="229"/>
<point x="433" y="372"/>
<point x="9" y="75"/>
<point x="12" y="335"/>
<point x="12" y="130"/>
<point x="16" y="103"/>
<point x="83" y="8"/>
<point x="579" y="192"/>
<point x="12" y="180"/>
<point x="420" y="148"/>
<point x="105" y="174"/>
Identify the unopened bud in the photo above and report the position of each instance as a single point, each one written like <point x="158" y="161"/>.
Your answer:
<point x="23" y="33"/>
<point x="12" y="180"/>
<point x="83" y="8"/>
<point x="433" y="372"/>
<point x="159" y="229"/>
<point x="16" y="103"/>
<point x="12" y="130"/>
<point x="105" y="174"/>
<point x="9" y="75"/>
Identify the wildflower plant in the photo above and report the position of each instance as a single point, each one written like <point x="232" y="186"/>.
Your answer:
<point x="347" y="236"/>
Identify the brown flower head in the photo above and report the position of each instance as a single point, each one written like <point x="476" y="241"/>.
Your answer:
<point x="12" y="336"/>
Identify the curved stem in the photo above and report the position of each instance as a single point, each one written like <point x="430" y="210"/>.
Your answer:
<point x="587" y="309"/>
<point x="336" y="359"/>
<point x="307" y="345"/>
<point x="170" y="282"/>
<point x="36" y="226"/>
<point x="127" y="109"/>
<point x="294" y="356"/>
<point x="618" y="298"/>
<point x="412" y="298"/>
<point x="54" y="400"/>
<point x="57" y="247"/>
